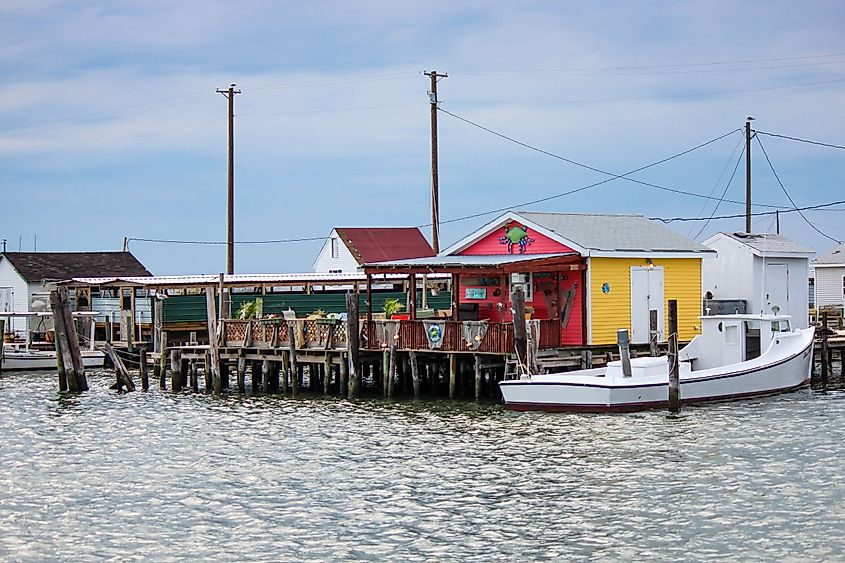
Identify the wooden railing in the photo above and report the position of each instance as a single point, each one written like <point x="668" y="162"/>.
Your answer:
<point x="412" y="335"/>
<point x="309" y="333"/>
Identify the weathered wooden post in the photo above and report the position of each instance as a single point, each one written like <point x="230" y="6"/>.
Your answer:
<point x="478" y="376"/>
<point x="175" y="371"/>
<point x="824" y="347"/>
<point x="353" y="344"/>
<point x="241" y="371"/>
<point x="327" y="373"/>
<point x="265" y="376"/>
<point x="256" y="372"/>
<point x="213" y="340"/>
<point x="385" y="369"/>
<point x="69" y="346"/>
<point x="344" y="375"/>
<point x="60" y="364"/>
<point x="520" y="337"/>
<point x="294" y="376"/>
<point x="162" y="361"/>
<point x="284" y="368"/>
<point x="142" y="367"/>
<point x="158" y="321"/>
<point x="652" y="333"/>
<point x="415" y="374"/>
<point x="674" y="359"/>
<point x="453" y="375"/>
<point x="624" y="351"/>
<point x="192" y="376"/>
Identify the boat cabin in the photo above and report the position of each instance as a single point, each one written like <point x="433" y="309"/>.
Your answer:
<point x="730" y="339"/>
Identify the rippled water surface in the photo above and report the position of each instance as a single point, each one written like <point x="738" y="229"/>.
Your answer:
<point x="158" y="476"/>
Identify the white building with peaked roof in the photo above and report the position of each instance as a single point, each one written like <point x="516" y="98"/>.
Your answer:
<point x="830" y="278"/>
<point x="763" y="269"/>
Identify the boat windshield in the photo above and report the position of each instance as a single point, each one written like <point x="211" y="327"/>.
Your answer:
<point x="780" y="326"/>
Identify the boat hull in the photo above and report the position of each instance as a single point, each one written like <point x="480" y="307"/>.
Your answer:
<point x="20" y="361"/>
<point x="565" y="392"/>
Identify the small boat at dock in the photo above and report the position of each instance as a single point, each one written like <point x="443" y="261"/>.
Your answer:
<point x="735" y="357"/>
<point x="29" y="355"/>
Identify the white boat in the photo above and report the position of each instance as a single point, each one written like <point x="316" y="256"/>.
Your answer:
<point x="736" y="356"/>
<point x="24" y="356"/>
<point x="28" y="359"/>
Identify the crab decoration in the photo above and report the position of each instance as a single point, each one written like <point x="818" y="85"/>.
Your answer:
<point x="516" y="234"/>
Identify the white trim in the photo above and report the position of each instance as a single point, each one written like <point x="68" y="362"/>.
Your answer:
<point x="648" y="254"/>
<point x="840" y="265"/>
<point x="754" y="251"/>
<point x="477" y="235"/>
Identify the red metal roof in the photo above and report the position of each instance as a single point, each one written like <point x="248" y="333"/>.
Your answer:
<point x="379" y="244"/>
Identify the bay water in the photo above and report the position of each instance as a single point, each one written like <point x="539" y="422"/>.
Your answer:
<point x="166" y="477"/>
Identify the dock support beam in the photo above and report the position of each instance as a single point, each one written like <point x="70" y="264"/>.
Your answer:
<point x="453" y="375"/>
<point x="674" y="359"/>
<point x="415" y="374"/>
<point x="352" y="341"/>
<point x="294" y="376"/>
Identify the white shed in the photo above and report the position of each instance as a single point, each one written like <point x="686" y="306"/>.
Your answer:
<point x="27" y="277"/>
<point x="765" y="270"/>
<point x="830" y="278"/>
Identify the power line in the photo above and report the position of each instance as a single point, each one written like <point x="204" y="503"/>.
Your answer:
<point x="759" y="142"/>
<point x="611" y="174"/>
<point x="802" y="140"/>
<point x="552" y="73"/>
<point x="677" y="65"/>
<point x="647" y="98"/>
<point x="819" y="207"/>
<point x="192" y="97"/>
<point x="223" y="242"/>
<point x="724" y="192"/>
<point x="719" y="179"/>
<point x="110" y="141"/>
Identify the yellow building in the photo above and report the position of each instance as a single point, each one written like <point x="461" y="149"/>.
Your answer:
<point x="633" y="266"/>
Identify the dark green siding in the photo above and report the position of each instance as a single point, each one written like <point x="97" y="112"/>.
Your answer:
<point x="191" y="308"/>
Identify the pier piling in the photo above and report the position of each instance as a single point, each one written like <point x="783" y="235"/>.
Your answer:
<point x="674" y="359"/>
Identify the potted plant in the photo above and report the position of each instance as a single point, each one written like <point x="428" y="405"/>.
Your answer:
<point x="249" y="310"/>
<point x="391" y="307"/>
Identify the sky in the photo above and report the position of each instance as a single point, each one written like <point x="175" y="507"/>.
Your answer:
<point x="110" y="125"/>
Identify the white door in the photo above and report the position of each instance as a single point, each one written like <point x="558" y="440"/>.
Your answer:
<point x="777" y="288"/>
<point x="646" y="296"/>
<point x="5" y="299"/>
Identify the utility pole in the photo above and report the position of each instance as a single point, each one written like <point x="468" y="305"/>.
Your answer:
<point x="435" y="187"/>
<point x="748" y="121"/>
<point x="230" y="238"/>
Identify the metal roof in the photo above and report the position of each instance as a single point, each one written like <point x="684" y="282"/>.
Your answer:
<point x="237" y="279"/>
<point x="377" y="244"/>
<point x="835" y="257"/>
<point x="769" y="244"/>
<point x="464" y="261"/>
<point x="37" y="266"/>
<point x="614" y="233"/>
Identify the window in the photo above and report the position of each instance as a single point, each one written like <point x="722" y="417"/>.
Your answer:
<point x="335" y="271"/>
<point x="527" y="283"/>
<point x="843" y="287"/>
<point x="334" y="247"/>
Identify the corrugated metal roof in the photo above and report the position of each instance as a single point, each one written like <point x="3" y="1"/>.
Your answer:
<point x="769" y="244"/>
<point x="835" y="256"/>
<point x="473" y="261"/>
<point x="240" y="279"/>
<point x="378" y="244"/>
<point x="614" y="233"/>
<point x="37" y="266"/>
